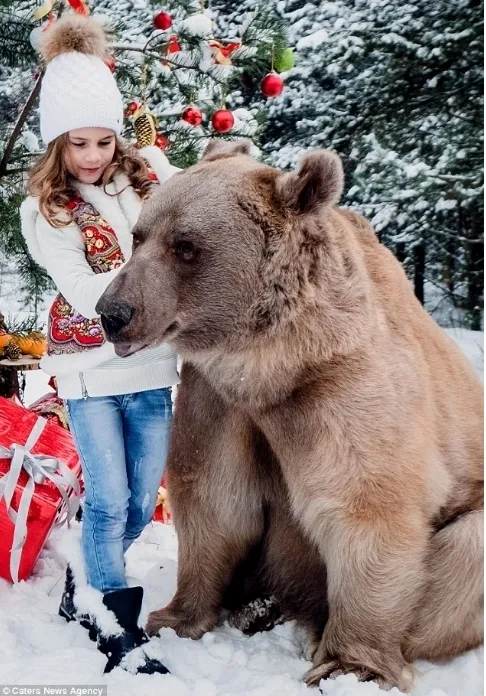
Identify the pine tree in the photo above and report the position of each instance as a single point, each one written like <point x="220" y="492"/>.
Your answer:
<point x="396" y="89"/>
<point x="161" y="72"/>
<point x="18" y="93"/>
<point x="180" y="67"/>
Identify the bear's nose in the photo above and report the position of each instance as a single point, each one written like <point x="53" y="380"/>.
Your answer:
<point x="115" y="315"/>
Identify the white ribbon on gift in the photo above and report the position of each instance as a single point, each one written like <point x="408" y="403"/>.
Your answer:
<point x="39" y="467"/>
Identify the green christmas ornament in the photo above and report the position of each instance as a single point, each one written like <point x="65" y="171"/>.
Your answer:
<point x="284" y="60"/>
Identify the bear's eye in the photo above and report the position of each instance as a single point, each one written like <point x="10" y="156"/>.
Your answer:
<point x="185" y="251"/>
<point x="138" y="236"/>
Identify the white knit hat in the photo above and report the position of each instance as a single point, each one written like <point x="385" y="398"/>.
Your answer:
<point x="78" y="89"/>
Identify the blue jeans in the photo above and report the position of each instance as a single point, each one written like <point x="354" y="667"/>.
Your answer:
<point x="122" y="442"/>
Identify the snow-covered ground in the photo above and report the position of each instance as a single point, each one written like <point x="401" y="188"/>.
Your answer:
<point x="472" y="345"/>
<point x="38" y="647"/>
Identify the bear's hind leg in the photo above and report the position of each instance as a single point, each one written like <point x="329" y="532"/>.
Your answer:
<point x="449" y="618"/>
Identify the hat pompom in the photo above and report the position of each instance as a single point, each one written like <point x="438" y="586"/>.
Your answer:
<point x="74" y="32"/>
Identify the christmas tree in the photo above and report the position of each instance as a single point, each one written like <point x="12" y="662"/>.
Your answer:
<point x="394" y="88"/>
<point x="19" y="90"/>
<point x="177" y="72"/>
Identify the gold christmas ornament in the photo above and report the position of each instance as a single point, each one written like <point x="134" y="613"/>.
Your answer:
<point x="144" y="125"/>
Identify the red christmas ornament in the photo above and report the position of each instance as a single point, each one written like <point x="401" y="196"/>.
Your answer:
<point x="110" y="62"/>
<point x="223" y="120"/>
<point x="174" y="44"/>
<point x="229" y="48"/>
<point x="162" y="142"/>
<point x="222" y="52"/>
<point x="132" y="107"/>
<point x="79" y="6"/>
<point x="192" y="115"/>
<point x="162" y="20"/>
<point x="272" y="85"/>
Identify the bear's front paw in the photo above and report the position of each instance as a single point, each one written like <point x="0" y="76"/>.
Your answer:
<point x="184" y="625"/>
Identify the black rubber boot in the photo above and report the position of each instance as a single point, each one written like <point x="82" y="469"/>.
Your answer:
<point x="67" y="609"/>
<point x="126" y="605"/>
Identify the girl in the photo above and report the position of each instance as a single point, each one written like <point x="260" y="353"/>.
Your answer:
<point x="86" y="193"/>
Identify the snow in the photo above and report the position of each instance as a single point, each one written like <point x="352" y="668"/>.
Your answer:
<point x="206" y="61"/>
<point x="38" y="647"/>
<point x="243" y="118"/>
<point x="445" y="204"/>
<point x="472" y="345"/>
<point x="313" y="40"/>
<point x="30" y="141"/>
<point x="197" y="25"/>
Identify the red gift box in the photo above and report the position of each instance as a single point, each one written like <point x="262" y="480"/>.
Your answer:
<point x="48" y="466"/>
<point x="162" y="509"/>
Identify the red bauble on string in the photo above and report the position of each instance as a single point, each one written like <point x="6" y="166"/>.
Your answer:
<point x="162" y="20"/>
<point x="192" y="115"/>
<point x="272" y="85"/>
<point x="223" y="120"/>
<point x="162" y="142"/>
<point x="110" y="63"/>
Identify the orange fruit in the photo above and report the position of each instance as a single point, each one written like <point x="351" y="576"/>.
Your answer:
<point x="33" y="344"/>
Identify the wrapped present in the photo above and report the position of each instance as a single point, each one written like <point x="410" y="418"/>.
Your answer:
<point x="162" y="512"/>
<point x="40" y="477"/>
<point x="51" y="407"/>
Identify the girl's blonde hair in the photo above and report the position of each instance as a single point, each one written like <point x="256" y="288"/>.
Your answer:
<point x="50" y="180"/>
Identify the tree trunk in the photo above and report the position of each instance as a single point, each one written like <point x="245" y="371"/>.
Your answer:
<point x="24" y="114"/>
<point x="400" y="252"/>
<point x="474" y="268"/>
<point x="419" y="271"/>
<point x="474" y="284"/>
<point x="449" y="275"/>
<point x="9" y="382"/>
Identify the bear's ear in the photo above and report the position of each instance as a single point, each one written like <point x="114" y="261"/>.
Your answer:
<point x="317" y="182"/>
<point x="218" y="148"/>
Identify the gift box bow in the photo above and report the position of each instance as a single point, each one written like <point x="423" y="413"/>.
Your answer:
<point x="38" y="467"/>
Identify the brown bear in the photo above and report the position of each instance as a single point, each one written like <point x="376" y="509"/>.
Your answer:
<point x="323" y="418"/>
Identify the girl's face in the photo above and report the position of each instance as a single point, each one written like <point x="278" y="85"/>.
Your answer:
<point x="89" y="152"/>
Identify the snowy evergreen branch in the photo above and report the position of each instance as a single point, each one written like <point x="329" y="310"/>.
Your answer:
<point x="18" y="127"/>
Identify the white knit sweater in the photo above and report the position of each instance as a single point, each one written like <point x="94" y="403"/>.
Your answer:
<point x="62" y="252"/>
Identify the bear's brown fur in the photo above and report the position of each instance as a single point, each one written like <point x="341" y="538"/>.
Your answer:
<point x="320" y="408"/>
